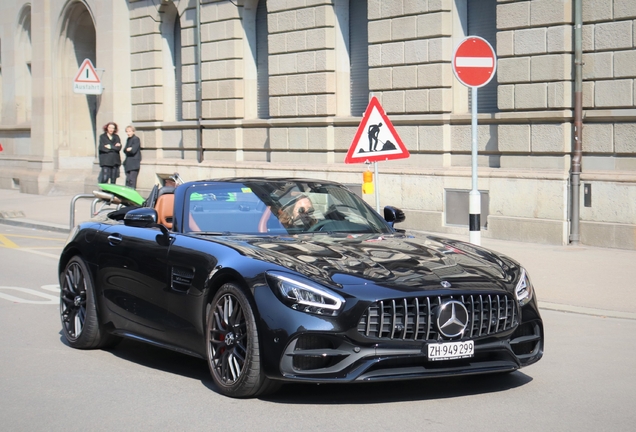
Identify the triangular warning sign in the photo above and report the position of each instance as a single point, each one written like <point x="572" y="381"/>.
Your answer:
<point x="86" y="81"/>
<point x="86" y="73"/>
<point x="376" y="139"/>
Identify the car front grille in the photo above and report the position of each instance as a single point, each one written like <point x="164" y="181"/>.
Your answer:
<point x="415" y="318"/>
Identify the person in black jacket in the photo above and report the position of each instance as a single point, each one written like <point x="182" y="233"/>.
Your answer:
<point x="133" y="157"/>
<point x="109" y="159"/>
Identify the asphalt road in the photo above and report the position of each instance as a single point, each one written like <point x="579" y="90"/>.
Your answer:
<point x="585" y="381"/>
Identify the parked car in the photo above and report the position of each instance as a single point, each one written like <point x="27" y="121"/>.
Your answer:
<point x="280" y="280"/>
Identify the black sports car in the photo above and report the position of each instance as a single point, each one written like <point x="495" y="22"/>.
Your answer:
<point x="274" y="280"/>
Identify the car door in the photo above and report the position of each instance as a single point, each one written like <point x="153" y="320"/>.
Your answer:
<point x="133" y="277"/>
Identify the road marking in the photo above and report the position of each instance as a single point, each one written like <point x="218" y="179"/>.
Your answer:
<point x="54" y="288"/>
<point x="35" y="237"/>
<point x="49" y="298"/>
<point x="5" y="242"/>
<point x="43" y="247"/>
<point x="48" y="255"/>
<point x="587" y="311"/>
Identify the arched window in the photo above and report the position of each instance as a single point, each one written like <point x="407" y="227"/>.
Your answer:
<point x="23" y="67"/>
<point x="171" y="54"/>
<point x="76" y="113"/>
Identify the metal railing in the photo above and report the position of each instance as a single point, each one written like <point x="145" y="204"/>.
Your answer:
<point x="74" y="201"/>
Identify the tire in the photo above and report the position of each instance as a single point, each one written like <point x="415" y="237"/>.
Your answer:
<point x="78" y="313"/>
<point x="233" y="350"/>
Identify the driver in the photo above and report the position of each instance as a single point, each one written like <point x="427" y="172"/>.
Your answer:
<point x="302" y="214"/>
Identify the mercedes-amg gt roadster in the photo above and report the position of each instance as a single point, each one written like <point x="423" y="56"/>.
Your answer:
<point x="282" y="280"/>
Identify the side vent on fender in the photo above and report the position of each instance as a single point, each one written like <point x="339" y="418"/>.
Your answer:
<point x="182" y="278"/>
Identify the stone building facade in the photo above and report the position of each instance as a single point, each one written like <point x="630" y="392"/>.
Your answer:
<point x="221" y="88"/>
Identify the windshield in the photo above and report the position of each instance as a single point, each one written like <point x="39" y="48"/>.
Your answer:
<point x="277" y="207"/>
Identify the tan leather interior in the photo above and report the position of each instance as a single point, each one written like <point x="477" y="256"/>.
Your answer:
<point x="165" y="209"/>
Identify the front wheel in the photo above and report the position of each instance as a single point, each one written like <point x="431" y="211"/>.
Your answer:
<point x="232" y="345"/>
<point x="80" y="322"/>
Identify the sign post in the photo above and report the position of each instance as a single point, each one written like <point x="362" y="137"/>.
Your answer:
<point x="474" y="65"/>
<point x="376" y="140"/>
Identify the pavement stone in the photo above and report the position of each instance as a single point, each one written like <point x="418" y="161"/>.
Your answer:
<point x="578" y="279"/>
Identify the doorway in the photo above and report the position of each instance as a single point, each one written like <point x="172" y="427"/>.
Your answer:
<point x="77" y="113"/>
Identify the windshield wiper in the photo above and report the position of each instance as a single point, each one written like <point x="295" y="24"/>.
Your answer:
<point x="211" y="233"/>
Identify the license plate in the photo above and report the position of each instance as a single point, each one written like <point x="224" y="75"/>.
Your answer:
<point x="451" y="350"/>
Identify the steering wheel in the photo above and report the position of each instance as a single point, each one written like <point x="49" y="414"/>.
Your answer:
<point x="317" y="227"/>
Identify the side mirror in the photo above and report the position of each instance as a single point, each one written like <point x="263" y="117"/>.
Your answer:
<point x="146" y="217"/>
<point x="393" y="215"/>
<point x="143" y="217"/>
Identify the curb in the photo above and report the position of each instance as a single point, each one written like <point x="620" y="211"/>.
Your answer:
<point x="603" y="313"/>
<point x="27" y="223"/>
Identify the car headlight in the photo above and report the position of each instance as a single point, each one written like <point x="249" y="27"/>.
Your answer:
<point x="305" y="296"/>
<point x="524" y="291"/>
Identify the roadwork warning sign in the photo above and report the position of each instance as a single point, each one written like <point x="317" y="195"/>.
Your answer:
<point x="376" y="139"/>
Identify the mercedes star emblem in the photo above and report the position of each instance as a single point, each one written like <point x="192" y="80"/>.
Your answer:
<point x="452" y="318"/>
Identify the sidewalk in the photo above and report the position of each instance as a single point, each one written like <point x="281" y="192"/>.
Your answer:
<point x="580" y="279"/>
<point x="38" y="211"/>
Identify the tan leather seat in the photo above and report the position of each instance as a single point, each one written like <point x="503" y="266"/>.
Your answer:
<point x="165" y="209"/>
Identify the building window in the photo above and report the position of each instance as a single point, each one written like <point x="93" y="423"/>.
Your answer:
<point x="343" y="58"/>
<point x="359" y="56"/>
<point x="352" y="57"/>
<point x="262" y="68"/>
<point x="482" y="21"/>
<point x="178" y="70"/>
<point x="171" y="50"/>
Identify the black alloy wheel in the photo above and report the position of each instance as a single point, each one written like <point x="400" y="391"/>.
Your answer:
<point x="233" y="348"/>
<point x="73" y="301"/>
<point x="80" y="323"/>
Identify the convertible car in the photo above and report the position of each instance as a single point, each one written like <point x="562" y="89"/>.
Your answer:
<point x="280" y="280"/>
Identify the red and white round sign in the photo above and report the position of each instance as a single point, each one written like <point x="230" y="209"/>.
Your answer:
<point x="474" y="62"/>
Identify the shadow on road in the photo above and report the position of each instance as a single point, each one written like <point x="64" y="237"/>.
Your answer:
<point x="397" y="391"/>
<point x="162" y="359"/>
<point x="357" y="393"/>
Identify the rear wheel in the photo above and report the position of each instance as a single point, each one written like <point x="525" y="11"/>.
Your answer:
<point x="232" y="345"/>
<point x="78" y="313"/>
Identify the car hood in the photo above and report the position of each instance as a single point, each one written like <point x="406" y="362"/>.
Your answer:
<point x="400" y="262"/>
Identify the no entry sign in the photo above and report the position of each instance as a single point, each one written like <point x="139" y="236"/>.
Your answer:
<point x="474" y="65"/>
<point x="474" y="62"/>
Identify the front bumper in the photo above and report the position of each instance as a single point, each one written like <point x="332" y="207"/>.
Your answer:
<point x="316" y="357"/>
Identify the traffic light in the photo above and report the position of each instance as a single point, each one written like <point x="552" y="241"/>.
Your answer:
<point x="367" y="182"/>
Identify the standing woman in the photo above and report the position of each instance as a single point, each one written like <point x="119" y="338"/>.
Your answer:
<point x="109" y="159"/>
<point x="133" y="157"/>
